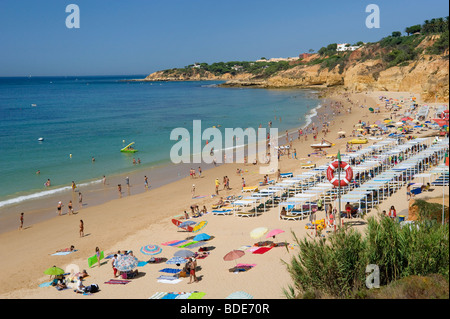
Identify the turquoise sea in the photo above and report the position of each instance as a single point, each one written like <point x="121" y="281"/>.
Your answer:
<point x="84" y="117"/>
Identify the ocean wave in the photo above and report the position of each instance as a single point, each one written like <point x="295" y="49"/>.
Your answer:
<point x="41" y="194"/>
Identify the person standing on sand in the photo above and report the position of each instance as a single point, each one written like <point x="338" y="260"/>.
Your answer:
<point x="192" y="266"/>
<point x="81" y="228"/>
<point x="104" y="180"/>
<point x="69" y="207"/>
<point x="217" y="186"/>
<point x="97" y="253"/>
<point x="199" y="172"/>
<point x="59" y="208"/>
<point x="193" y="190"/>
<point x="119" y="189"/>
<point x="80" y="200"/>
<point x="146" y="182"/>
<point x="21" y="221"/>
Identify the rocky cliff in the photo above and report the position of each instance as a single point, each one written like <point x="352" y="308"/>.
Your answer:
<point x="426" y="74"/>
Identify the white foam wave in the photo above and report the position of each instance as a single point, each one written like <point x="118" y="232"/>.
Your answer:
<point x="41" y="194"/>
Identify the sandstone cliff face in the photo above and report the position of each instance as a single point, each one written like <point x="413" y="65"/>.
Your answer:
<point x="428" y="76"/>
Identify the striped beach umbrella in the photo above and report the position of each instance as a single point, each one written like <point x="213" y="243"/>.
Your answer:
<point x="151" y="250"/>
<point x="126" y="263"/>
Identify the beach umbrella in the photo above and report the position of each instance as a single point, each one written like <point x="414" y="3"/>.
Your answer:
<point x="126" y="263"/>
<point x="234" y="254"/>
<point x="54" y="271"/>
<point x="201" y="237"/>
<point x="274" y="232"/>
<point x="258" y="232"/>
<point x="239" y="295"/>
<point x="176" y="261"/>
<point x="184" y="253"/>
<point x="151" y="250"/>
<point x="187" y="223"/>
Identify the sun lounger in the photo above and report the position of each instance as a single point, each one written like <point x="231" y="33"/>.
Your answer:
<point x="250" y="189"/>
<point x="247" y="214"/>
<point x="291" y="217"/>
<point x="286" y="175"/>
<point x="223" y="212"/>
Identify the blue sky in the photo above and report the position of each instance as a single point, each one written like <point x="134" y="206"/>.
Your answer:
<point x="142" y="36"/>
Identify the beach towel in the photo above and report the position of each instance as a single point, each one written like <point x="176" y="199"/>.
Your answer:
<point x="197" y="295"/>
<point x="201" y="196"/>
<point x="117" y="282"/>
<point x="262" y="250"/>
<point x="243" y="248"/>
<point x="158" y="295"/>
<point x="170" y="270"/>
<point x="141" y="263"/>
<point x="163" y="277"/>
<point x="177" y="243"/>
<point x="165" y="281"/>
<point x="62" y="253"/>
<point x="188" y="244"/>
<point x="45" y="284"/>
<point x="169" y="242"/>
<point x="245" y="265"/>
<point x="183" y="295"/>
<point x="252" y="249"/>
<point x="170" y="296"/>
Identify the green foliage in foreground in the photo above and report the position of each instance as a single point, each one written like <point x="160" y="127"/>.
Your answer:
<point x="336" y="267"/>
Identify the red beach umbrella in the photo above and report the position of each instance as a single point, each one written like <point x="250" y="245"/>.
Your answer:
<point x="234" y="254"/>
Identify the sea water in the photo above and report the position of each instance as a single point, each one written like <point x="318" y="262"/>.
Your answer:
<point x="85" y="121"/>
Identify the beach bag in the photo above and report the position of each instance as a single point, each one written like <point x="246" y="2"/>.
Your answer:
<point x="92" y="288"/>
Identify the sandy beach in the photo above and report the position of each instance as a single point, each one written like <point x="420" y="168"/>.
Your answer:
<point x="130" y="222"/>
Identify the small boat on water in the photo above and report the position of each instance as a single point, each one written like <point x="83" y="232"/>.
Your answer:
<point x="129" y="149"/>
<point x="40" y="139"/>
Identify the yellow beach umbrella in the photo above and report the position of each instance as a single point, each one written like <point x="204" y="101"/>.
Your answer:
<point x="258" y="232"/>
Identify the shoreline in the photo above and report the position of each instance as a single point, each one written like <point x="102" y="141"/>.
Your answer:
<point x="38" y="209"/>
<point x="133" y="221"/>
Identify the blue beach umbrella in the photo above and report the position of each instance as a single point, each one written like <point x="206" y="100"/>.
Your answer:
<point x="176" y="261"/>
<point x="201" y="237"/>
<point x="184" y="253"/>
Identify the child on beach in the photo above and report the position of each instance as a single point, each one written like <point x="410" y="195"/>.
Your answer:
<point x="97" y="253"/>
<point x="193" y="190"/>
